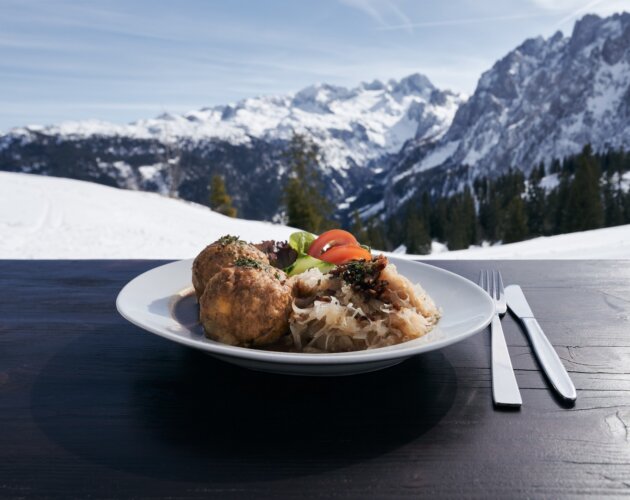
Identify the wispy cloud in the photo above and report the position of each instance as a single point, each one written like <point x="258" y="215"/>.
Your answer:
<point x="575" y="8"/>
<point x="367" y="7"/>
<point x="457" y="22"/>
<point x="381" y="11"/>
<point x="399" y="13"/>
<point x="584" y="8"/>
<point x="559" y="5"/>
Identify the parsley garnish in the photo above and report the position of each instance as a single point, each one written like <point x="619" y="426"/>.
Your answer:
<point x="247" y="262"/>
<point x="227" y="239"/>
<point x="364" y="276"/>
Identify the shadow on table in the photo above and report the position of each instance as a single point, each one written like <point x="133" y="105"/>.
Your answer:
<point x="149" y="407"/>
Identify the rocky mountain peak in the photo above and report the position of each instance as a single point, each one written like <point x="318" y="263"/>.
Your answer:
<point x="373" y="85"/>
<point x="545" y="99"/>
<point x="413" y="84"/>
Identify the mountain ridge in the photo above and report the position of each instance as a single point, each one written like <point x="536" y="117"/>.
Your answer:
<point x="384" y="115"/>
<point x="355" y="128"/>
<point x="545" y="99"/>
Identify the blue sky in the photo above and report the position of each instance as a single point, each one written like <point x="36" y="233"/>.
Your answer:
<point x="124" y="60"/>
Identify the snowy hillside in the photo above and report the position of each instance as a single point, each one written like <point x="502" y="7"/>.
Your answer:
<point x="607" y="243"/>
<point x="51" y="218"/>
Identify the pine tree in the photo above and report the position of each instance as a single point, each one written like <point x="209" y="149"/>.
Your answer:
<point x="307" y="207"/>
<point x="426" y="211"/>
<point x="535" y="206"/>
<point x="455" y="230"/>
<point x="358" y="228"/>
<point x="515" y="221"/>
<point x="555" y="167"/>
<point x="613" y="201"/>
<point x="468" y="217"/>
<point x="439" y="220"/>
<point x="220" y="201"/>
<point x="488" y="211"/>
<point x="562" y="219"/>
<point x="417" y="238"/>
<point x="584" y="204"/>
<point x="376" y="235"/>
<point x="551" y="209"/>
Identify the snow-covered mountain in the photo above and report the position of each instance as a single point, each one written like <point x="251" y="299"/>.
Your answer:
<point x="383" y="142"/>
<point x="545" y="99"/>
<point x="355" y="128"/>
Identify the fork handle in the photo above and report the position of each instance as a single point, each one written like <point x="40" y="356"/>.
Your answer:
<point x="504" y="387"/>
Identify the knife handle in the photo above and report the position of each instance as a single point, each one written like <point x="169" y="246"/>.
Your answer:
<point x="549" y="359"/>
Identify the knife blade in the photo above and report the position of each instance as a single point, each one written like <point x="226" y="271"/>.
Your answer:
<point x="545" y="352"/>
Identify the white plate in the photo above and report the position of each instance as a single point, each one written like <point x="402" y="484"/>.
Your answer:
<point x="162" y="301"/>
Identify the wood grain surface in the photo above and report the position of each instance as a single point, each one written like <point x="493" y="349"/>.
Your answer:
<point x="93" y="407"/>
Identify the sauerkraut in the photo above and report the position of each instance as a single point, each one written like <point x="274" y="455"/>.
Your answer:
<point x="357" y="306"/>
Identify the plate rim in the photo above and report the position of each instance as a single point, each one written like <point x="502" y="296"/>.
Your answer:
<point x="279" y="357"/>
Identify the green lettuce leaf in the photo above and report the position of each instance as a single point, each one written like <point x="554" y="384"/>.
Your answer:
<point x="306" y="262"/>
<point x="301" y="242"/>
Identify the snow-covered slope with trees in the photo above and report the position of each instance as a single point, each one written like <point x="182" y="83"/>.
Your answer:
<point x="52" y="218"/>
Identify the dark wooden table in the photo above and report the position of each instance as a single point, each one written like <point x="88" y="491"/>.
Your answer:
<point x="91" y="406"/>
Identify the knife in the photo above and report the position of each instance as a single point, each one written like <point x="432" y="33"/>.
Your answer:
<point x="546" y="354"/>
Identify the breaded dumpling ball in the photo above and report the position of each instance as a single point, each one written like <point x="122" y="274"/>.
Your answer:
<point x="222" y="253"/>
<point x="247" y="304"/>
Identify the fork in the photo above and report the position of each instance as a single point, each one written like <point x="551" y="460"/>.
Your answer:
<point x="504" y="387"/>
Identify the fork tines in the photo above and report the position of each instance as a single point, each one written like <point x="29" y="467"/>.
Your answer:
<point x="492" y="282"/>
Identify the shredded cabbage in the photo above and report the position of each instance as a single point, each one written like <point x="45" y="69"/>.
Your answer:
<point x="330" y="316"/>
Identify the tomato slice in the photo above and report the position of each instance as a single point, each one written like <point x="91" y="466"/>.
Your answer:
<point x="331" y="239"/>
<point x="341" y="254"/>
